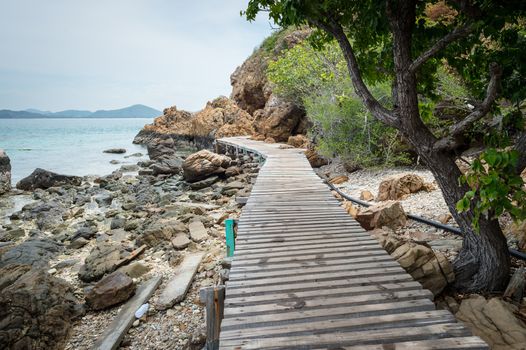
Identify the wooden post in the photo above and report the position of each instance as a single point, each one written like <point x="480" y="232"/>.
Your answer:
<point x="230" y="237"/>
<point x="214" y="299"/>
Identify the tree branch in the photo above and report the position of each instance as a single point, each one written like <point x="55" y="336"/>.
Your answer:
<point x="457" y="33"/>
<point x="449" y="142"/>
<point x="372" y="104"/>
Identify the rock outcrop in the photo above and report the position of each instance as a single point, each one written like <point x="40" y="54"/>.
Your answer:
<point x="494" y="321"/>
<point x="279" y="119"/>
<point x="430" y="268"/>
<point x="400" y="186"/>
<point x="44" y="179"/>
<point x="36" y="309"/>
<point x="390" y="214"/>
<point x="5" y="173"/>
<point x="220" y="118"/>
<point x="202" y="164"/>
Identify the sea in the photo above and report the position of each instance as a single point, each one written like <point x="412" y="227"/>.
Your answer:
<point x="70" y="146"/>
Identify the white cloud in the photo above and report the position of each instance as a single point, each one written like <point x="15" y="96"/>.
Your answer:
<point x="60" y="54"/>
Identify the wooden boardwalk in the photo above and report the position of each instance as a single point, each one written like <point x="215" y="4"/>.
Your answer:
<point x="305" y="275"/>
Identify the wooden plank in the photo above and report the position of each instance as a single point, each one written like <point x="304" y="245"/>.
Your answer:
<point x="380" y="336"/>
<point x="309" y="270"/>
<point x="276" y="244"/>
<point x="318" y="277"/>
<point x="328" y="302"/>
<point x="471" y="343"/>
<point x="338" y="325"/>
<point x="265" y="257"/>
<point x="177" y="287"/>
<point x="248" y="261"/>
<point x="294" y="250"/>
<point x="243" y="269"/>
<point x="340" y="289"/>
<point x="114" y="333"/>
<point x="317" y="315"/>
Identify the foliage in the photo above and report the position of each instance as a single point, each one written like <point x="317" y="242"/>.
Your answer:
<point x="497" y="34"/>
<point x="495" y="186"/>
<point x="318" y="79"/>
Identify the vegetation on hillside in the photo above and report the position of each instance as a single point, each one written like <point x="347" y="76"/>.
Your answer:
<point x="409" y="45"/>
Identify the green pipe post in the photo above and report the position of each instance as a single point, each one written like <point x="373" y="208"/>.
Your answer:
<point x="229" y="235"/>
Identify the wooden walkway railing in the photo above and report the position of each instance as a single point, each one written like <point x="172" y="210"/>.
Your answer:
<point x="305" y="275"/>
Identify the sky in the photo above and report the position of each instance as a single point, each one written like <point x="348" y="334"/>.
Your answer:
<point x="107" y="54"/>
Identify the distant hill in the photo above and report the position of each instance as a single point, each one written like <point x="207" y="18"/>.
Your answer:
<point x="135" y="111"/>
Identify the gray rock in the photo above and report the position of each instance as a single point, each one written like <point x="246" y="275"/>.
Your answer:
<point x="5" y="172"/>
<point x="34" y="251"/>
<point x="115" y="150"/>
<point x="167" y="166"/>
<point x="78" y="243"/>
<point x="117" y="222"/>
<point x="138" y="154"/>
<point x="41" y="178"/>
<point x="105" y="258"/>
<point x="114" y="161"/>
<point x="198" y="231"/>
<point x="12" y="235"/>
<point x="204" y="183"/>
<point x="180" y="241"/>
<point x="135" y="270"/>
<point x="129" y="167"/>
<point x="162" y="148"/>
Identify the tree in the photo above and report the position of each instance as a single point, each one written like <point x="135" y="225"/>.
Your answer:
<point x="403" y="42"/>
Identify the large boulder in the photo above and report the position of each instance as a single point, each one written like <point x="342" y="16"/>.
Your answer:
<point x="44" y="179"/>
<point x="494" y="321"/>
<point x="400" y="186"/>
<point x="200" y="165"/>
<point x="5" y="173"/>
<point x="161" y="148"/>
<point x="36" y="309"/>
<point x="278" y="120"/>
<point x="430" y="268"/>
<point x="389" y="213"/>
<point x="111" y="290"/>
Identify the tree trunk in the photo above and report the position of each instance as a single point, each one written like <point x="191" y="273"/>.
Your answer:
<point x="483" y="263"/>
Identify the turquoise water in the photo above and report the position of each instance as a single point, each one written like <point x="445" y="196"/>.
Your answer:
<point x="69" y="146"/>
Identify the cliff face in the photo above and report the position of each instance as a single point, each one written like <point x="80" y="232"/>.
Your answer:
<point x="252" y="108"/>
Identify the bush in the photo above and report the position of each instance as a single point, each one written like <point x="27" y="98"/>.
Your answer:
<point x="342" y="126"/>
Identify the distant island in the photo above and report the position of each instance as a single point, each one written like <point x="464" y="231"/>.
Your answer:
<point x="135" y="111"/>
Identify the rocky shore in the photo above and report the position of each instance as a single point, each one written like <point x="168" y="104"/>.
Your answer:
<point x="73" y="250"/>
